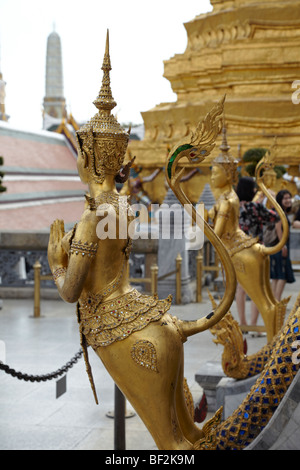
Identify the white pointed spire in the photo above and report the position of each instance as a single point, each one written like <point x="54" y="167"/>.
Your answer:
<point x="3" y="115"/>
<point x="54" y="100"/>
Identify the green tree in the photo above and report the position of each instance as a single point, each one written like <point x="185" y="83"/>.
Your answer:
<point x="253" y="156"/>
<point x="2" y="188"/>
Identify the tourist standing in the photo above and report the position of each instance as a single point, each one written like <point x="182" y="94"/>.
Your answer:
<point x="281" y="266"/>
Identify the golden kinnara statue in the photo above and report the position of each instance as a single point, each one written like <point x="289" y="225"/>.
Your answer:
<point x="250" y="258"/>
<point x="138" y="341"/>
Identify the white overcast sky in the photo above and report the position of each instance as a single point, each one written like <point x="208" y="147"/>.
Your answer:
<point x="142" y="35"/>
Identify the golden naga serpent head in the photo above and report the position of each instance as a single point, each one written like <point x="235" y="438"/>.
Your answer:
<point x="267" y="164"/>
<point x="195" y="149"/>
<point x="102" y="138"/>
<point x="197" y="146"/>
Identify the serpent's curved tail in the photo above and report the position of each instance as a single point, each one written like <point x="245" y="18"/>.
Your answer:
<point x="196" y="149"/>
<point x="266" y="163"/>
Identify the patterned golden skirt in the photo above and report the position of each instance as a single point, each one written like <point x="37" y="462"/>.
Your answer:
<point x="103" y="323"/>
<point x="237" y="241"/>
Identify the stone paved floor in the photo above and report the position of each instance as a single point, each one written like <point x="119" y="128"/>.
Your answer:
<point x="31" y="418"/>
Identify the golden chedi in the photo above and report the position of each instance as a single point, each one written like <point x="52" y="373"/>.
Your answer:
<point x="248" y="50"/>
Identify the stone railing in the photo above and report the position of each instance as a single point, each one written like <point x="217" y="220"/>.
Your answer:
<point x="19" y="251"/>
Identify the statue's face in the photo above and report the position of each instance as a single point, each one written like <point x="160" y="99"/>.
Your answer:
<point x="270" y="180"/>
<point x="219" y="177"/>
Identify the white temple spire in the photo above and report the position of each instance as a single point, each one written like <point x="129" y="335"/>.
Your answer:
<point x="54" y="101"/>
<point x="3" y="115"/>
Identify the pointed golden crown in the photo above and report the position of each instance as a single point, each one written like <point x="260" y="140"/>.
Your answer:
<point x="102" y="138"/>
<point x="225" y="159"/>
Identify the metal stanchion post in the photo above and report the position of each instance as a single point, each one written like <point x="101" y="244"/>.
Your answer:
<point x="119" y="424"/>
<point x="178" y="279"/>
<point x="37" y="289"/>
<point x="199" y="260"/>
<point x="154" y="274"/>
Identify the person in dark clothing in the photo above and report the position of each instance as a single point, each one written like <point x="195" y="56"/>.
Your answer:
<point x="281" y="266"/>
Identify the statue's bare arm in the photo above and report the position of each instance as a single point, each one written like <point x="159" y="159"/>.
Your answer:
<point x="70" y="269"/>
<point x="221" y="216"/>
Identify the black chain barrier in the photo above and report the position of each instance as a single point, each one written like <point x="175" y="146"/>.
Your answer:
<point x="42" y="378"/>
